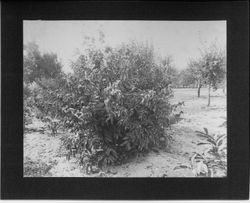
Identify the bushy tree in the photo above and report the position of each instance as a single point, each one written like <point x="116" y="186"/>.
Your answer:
<point x="115" y="103"/>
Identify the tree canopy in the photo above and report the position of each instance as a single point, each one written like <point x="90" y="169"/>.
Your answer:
<point x="213" y="66"/>
<point x="39" y="65"/>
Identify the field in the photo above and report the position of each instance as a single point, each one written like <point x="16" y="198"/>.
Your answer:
<point x="44" y="155"/>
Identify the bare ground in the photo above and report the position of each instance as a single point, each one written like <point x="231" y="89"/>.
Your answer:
<point x="44" y="155"/>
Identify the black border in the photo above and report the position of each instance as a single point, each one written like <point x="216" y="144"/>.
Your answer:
<point x="235" y="186"/>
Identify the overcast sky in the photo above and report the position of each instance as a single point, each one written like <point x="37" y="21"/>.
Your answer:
<point x="180" y="39"/>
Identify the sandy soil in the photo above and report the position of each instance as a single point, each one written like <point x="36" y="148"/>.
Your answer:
<point x="44" y="156"/>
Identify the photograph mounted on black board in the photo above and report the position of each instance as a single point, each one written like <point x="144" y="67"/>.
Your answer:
<point x="124" y="100"/>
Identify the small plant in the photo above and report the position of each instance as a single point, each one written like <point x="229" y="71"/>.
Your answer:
<point x="216" y="154"/>
<point x="212" y="159"/>
<point x="174" y="118"/>
<point x="174" y="107"/>
<point x="217" y="142"/>
<point x="199" y="166"/>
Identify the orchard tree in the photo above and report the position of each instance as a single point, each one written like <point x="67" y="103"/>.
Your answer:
<point x="213" y="63"/>
<point x="170" y="71"/>
<point x="186" y="78"/>
<point x="39" y="71"/>
<point x="209" y="69"/>
<point x="195" y="73"/>
<point x="37" y="65"/>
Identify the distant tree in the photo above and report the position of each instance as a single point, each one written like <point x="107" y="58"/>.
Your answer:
<point x="209" y="69"/>
<point x="39" y="70"/>
<point x="37" y="65"/>
<point x="30" y="57"/>
<point x="170" y="70"/>
<point x="186" y="78"/>
<point x="195" y="73"/>
<point x="213" y="63"/>
<point x="224" y="85"/>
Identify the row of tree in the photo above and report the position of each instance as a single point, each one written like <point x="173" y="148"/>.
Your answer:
<point x="208" y="70"/>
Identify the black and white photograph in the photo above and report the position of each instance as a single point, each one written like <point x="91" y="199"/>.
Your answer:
<point x="136" y="98"/>
<point x="124" y="100"/>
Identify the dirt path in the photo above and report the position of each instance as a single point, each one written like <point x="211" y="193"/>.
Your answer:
<point x="44" y="156"/>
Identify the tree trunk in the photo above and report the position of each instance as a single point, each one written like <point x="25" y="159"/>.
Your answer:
<point x="199" y="89"/>
<point x="209" y="87"/>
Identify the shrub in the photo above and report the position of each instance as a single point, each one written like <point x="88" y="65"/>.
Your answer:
<point x="116" y="103"/>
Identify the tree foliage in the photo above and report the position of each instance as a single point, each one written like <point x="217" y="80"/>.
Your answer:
<point x="38" y="69"/>
<point x="213" y="63"/>
<point x="37" y="65"/>
<point x="186" y="77"/>
<point x="170" y="71"/>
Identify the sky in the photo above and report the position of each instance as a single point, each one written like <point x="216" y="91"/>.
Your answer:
<point x="179" y="39"/>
